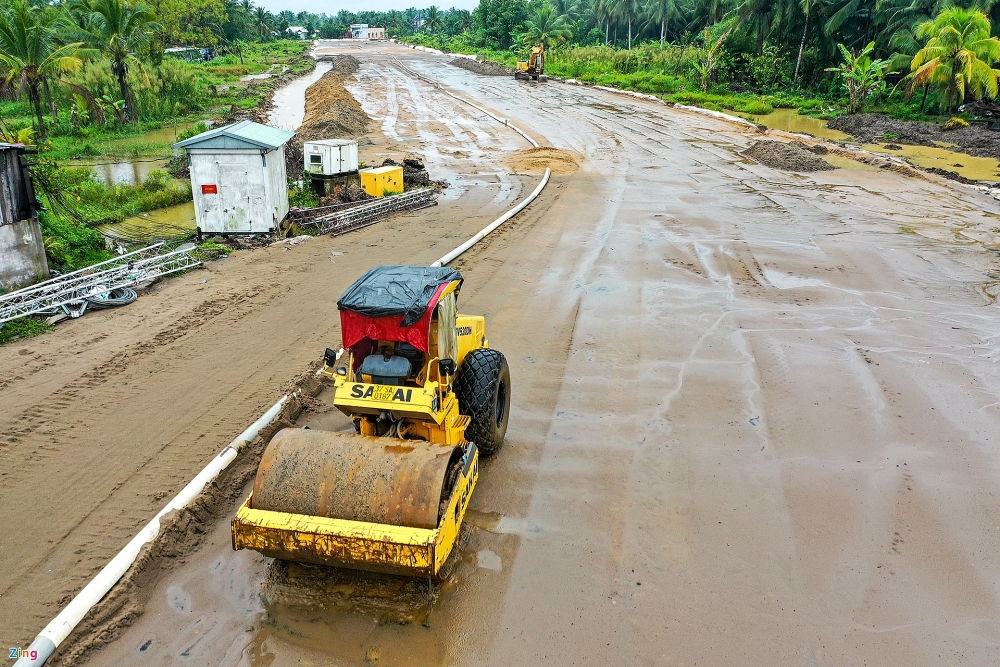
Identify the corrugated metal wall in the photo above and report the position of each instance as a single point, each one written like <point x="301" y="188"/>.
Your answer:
<point x="17" y="198"/>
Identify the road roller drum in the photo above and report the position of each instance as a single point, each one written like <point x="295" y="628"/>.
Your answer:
<point x="355" y="477"/>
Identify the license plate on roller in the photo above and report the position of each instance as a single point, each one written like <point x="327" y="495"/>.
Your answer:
<point x="383" y="393"/>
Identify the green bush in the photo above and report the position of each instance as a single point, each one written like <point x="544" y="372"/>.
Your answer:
<point x="757" y="108"/>
<point x="70" y="245"/>
<point x="195" y="129"/>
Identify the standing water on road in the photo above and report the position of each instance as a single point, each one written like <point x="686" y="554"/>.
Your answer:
<point x="927" y="157"/>
<point x="290" y="101"/>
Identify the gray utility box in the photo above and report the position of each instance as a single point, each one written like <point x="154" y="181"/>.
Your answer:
<point x="329" y="157"/>
<point x="238" y="178"/>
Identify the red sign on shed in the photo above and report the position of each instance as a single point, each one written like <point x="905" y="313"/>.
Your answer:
<point x="210" y="189"/>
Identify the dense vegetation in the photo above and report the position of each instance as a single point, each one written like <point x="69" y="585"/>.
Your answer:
<point x="909" y="58"/>
<point x="90" y="79"/>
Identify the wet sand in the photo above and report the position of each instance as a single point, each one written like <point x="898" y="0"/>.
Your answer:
<point x="754" y="412"/>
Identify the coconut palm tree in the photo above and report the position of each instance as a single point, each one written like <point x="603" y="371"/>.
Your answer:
<point x="807" y="6"/>
<point x="31" y="54"/>
<point x="662" y="12"/>
<point x="433" y="20"/>
<point x="546" y="27"/>
<point x="958" y="55"/>
<point x="567" y="8"/>
<point x="119" y="30"/>
<point x="626" y="10"/>
<point x="603" y="14"/>
<point x="261" y="19"/>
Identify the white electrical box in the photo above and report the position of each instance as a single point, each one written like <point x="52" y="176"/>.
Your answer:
<point x="328" y="157"/>
<point x="238" y="178"/>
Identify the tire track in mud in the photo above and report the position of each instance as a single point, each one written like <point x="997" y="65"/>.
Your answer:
<point x="47" y="414"/>
<point x="388" y="88"/>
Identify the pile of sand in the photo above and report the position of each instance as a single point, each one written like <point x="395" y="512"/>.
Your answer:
<point x="795" y="156"/>
<point x="331" y="111"/>
<point x="342" y="64"/>
<point x="484" y="67"/>
<point x="535" y="160"/>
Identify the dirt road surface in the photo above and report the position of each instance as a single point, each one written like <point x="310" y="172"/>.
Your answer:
<point x="754" y="412"/>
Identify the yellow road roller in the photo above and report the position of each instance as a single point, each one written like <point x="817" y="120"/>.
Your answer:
<point x="426" y="395"/>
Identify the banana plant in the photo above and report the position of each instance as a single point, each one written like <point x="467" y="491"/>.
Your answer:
<point x="863" y="78"/>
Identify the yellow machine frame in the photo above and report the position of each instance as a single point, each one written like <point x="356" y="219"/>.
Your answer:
<point x="534" y="66"/>
<point x="369" y="546"/>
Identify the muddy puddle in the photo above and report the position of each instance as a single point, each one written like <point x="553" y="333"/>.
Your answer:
<point x="975" y="168"/>
<point x="928" y="157"/>
<point x="264" y="75"/>
<point x="168" y="223"/>
<point x="130" y="171"/>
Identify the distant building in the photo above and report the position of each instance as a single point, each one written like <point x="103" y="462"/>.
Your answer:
<point x="376" y="33"/>
<point x="418" y="21"/>
<point x="298" y="31"/>
<point x="359" y="31"/>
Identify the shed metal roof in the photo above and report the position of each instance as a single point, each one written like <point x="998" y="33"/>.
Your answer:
<point x="245" y="134"/>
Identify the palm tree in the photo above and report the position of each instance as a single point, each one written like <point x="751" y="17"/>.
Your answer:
<point x="662" y="12"/>
<point x="30" y="52"/>
<point x="261" y="22"/>
<point x="957" y="56"/>
<point x="120" y="30"/>
<point x="603" y="14"/>
<point x="567" y="8"/>
<point x="432" y="21"/>
<point x="626" y="10"/>
<point x="547" y="28"/>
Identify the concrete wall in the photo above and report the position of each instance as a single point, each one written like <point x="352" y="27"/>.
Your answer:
<point x="22" y="255"/>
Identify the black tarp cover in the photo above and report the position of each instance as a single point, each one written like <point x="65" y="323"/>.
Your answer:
<point x="396" y="290"/>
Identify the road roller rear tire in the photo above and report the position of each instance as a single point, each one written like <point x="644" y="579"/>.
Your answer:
<point x="483" y="391"/>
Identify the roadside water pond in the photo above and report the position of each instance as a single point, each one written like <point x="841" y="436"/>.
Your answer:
<point x="173" y="222"/>
<point x="940" y="156"/>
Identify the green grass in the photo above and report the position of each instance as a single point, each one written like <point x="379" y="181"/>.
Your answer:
<point x="20" y="329"/>
<point x="209" y="250"/>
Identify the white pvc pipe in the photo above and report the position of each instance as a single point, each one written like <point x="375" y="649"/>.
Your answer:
<point x="496" y="223"/>
<point x="59" y="628"/>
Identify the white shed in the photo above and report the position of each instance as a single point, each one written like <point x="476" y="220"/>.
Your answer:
<point x="329" y="157"/>
<point x="238" y="178"/>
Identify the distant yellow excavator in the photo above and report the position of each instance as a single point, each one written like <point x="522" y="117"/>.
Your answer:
<point x="532" y="69"/>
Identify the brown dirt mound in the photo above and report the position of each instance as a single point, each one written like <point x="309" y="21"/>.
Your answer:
<point x="331" y="113"/>
<point x="537" y="159"/>
<point x="342" y="64"/>
<point x="484" y="67"/>
<point x="790" y="157"/>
